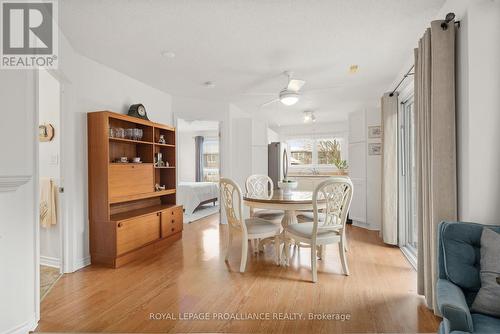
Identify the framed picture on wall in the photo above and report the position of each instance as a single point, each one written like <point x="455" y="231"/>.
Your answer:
<point x="374" y="149"/>
<point x="375" y="131"/>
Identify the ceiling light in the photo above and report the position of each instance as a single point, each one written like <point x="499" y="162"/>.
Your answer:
<point x="168" y="54"/>
<point x="309" y="117"/>
<point x="288" y="97"/>
<point x="353" y="69"/>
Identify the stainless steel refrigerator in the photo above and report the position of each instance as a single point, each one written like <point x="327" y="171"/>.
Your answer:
<point x="276" y="158"/>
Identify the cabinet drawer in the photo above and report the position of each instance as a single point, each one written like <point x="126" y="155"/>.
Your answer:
<point x="125" y="180"/>
<point x="171" y="221"/>
<point x="136" y="232"/>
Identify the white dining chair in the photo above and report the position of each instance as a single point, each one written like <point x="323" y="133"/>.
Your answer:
<point x="331" y="197"/>
<point x="261" y="185"/>
<point x="251" y="228"/>
<point x="308" y="216"/>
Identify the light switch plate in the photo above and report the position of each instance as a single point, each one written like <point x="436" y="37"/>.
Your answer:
<point x="54" y="160"/>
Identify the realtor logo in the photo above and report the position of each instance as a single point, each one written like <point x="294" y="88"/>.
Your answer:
<point x="29" y="38"/>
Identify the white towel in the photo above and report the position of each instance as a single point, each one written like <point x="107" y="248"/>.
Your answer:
<point x="48" y="202"/>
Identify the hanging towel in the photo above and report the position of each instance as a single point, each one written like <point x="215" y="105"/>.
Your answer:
<point x="48" y="202"/>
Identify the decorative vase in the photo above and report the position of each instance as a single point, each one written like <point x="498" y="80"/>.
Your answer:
<point x="288" y="186"/>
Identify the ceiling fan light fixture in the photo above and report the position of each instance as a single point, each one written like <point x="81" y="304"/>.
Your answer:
<point x="289" y="98"/>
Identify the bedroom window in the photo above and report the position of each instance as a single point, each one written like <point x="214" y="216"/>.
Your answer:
<point x="211" y="160"/>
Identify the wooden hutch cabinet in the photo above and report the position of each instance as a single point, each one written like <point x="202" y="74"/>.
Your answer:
<point x="130" y="218"/>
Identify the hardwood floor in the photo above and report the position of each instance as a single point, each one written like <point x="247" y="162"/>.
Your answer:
<point x="192" y="278"/>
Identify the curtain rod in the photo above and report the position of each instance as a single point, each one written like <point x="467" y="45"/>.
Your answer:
<point x="403" y="79"/>
<point x="449" y="17"/>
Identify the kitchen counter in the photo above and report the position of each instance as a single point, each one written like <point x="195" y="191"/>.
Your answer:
<point x="309" y="182"/>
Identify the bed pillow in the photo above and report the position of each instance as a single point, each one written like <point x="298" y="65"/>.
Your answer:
<point x="488" y="297"/>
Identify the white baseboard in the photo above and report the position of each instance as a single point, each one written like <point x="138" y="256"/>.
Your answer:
<point x="48" y="261"/>
<point x="365" y="225"/>
<point x="25" y="327"/>
<point x="359" y="223"/>
<point x="80" y="263"/>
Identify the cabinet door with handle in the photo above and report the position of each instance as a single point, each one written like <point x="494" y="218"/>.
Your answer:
<point x="171" y="221"/>
<point x="136" y="232"/>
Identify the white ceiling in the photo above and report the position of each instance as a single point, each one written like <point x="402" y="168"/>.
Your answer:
<point x="243" y="46"/>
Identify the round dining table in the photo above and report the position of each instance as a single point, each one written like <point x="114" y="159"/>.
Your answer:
<point x="290" y="203"/>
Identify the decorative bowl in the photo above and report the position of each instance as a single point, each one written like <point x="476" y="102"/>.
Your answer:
<point x="287" y="186"/>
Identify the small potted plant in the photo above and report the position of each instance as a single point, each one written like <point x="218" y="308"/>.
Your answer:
<point x="341" y="165"/>
<point x="286" y="185"/>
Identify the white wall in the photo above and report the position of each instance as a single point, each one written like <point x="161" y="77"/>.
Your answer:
<point x="478" y="116"/>
<point x="241" y="150"/>
<point x="90" y="86"/>
<point x="335" y="128"/>
<point x="48" y="160"/>
<point x="186" y="159"/>
<point x="365" y="170"/>
<point x="357" y="166"/>
<point x="272" y="136"/>
<point x="249" y="148"/>
<point x="18" y="219"/>
<point x="373" y="175"/>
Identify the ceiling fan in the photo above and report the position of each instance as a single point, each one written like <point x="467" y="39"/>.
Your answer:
<point x="290" y="94"/>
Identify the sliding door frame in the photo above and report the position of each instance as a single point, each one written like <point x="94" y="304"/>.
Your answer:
<point x="404" y="184"/>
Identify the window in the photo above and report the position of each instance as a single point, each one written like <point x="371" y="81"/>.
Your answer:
<point x="321" y="152"/>
<point x="301" y="151"/>
<point x="328" y="151"/>
<point x="210" y="160"/>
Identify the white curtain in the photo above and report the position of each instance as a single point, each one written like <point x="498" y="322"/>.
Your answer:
<point x="435" y="147"/>
<point x="389" y="228"/>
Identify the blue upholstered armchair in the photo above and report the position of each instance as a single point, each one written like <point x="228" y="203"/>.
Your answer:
<point x="459" y="281"/>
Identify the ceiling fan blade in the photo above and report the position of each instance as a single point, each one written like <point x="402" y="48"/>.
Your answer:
<point x="269" y="102"/>
<point x="295" y="84"/>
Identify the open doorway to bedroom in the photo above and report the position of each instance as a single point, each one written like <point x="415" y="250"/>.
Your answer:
<point x="199" y="168"/>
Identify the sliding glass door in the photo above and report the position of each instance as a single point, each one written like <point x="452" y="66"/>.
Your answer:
<point x="407" y="181"/>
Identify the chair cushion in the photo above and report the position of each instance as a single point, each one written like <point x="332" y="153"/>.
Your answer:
<point x="308" y="216"/>
<point x="268" y="214"/>
<point x="304" y="230"/>
<point x="485" y="324"/>
<point x="488" y="298"/>
<point x="258" y="226"/>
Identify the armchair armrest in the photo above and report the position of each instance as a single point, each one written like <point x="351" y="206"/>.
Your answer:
<point x="452" y="304"/>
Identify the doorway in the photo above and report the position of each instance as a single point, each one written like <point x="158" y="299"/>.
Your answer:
<point x="407" y="181"/>
<point x="49" y="176"/>
<point x="198" y="152"/>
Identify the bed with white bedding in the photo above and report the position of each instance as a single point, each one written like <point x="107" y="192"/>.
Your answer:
<point x="193" y="194"/>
